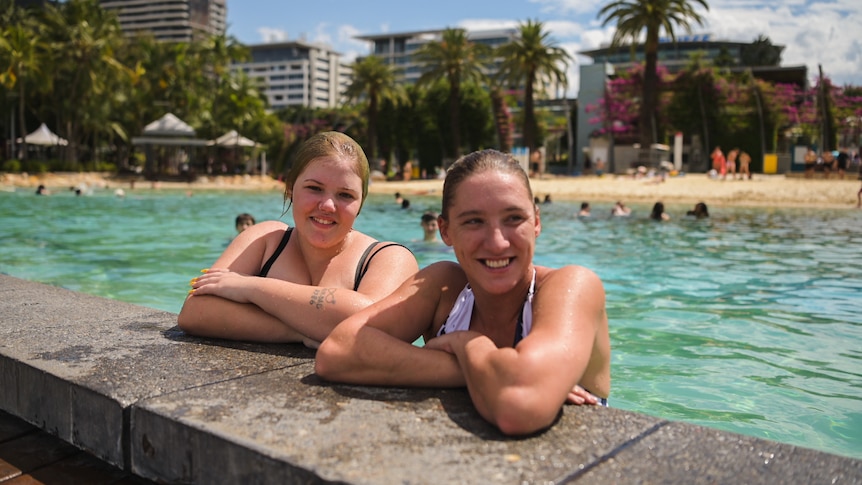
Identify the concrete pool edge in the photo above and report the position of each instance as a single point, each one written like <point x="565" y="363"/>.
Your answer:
<point x="120" y="382"/>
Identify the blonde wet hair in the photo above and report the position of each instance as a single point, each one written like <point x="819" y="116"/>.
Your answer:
<point x="328" y="144"/>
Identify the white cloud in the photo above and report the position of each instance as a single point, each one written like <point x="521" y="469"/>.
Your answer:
<point x="270" y="35"/>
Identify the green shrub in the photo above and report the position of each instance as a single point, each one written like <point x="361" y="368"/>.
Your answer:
<point x="12" y="166"/>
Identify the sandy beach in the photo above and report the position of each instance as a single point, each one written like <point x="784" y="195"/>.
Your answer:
<point x="762" y="190"/>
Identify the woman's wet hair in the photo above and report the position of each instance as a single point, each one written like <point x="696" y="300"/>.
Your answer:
<point x="326" y="144"/>
<point x="477" y="162"/>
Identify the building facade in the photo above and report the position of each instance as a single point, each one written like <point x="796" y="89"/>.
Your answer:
<point x="170" y="20"/>
<point x="399" y="49"/>
<point x="608" y="62"/>
<point x="298" y="74"/>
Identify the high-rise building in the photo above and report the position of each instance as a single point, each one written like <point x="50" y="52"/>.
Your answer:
<point x="170" y="20"/>
<point x="298" y="74"/>
<point x="399" y="49"/>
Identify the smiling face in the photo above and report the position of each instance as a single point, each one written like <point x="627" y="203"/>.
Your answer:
<point x="492" y="224"/>
<point x="327" y="196"/>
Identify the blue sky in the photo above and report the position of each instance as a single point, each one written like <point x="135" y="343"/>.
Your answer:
<point x="813" y="32"/>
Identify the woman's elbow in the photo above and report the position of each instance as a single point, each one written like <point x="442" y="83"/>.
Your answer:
<point x="188" y="323"/>
<point x="329" y="360"/>
<point x="521" y="415"/>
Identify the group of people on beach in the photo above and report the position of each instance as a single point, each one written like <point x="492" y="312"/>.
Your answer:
<point x="523" y="339"/>
<point x="723" y="165"/>
<point x="828" y="161"/>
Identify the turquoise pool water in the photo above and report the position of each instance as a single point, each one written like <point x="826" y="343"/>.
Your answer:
<point x="750" y="321"/>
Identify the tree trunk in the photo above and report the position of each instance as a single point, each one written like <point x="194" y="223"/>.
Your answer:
<point x="649" y="101"/>
<point x="501" y="120"/>
<point x="529" y="115"/>
<point x="23" y="127"/>
<point x="454" y="119"/>
<point x="372" y="130"/>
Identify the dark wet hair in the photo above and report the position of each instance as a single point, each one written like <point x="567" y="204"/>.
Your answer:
<point x="657" y="211"/>
<point x="325" y="144"/>
<point x="477" y="162"/>
<point x="699" y="211"/>
<point x="428" y="217"/>
<point x="244" y="217"/>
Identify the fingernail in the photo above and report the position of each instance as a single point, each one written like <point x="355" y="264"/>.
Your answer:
<point x="193" y="281"/>
<point x="192" y="291"/>
<point x="205" y="270"/>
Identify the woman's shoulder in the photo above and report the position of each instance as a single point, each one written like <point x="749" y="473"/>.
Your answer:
<point x="268" y="226"/>
<point x="443" y="273"/>
<point x="266" y="231"/>
<point x="565" y="277"/>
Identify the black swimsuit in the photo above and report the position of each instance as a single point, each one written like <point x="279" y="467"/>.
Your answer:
<point x="361" y="268"/>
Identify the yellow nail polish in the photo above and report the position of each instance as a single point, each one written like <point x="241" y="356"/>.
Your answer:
<point x="192" y="291"/>
<point x="205" y="270"/>
<point x="193" y="281"/>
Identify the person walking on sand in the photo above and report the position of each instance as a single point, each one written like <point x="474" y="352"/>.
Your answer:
<point x="523" y="339"/>
<point x="731" y="163"/>
<point x="744" y="165"/>
<point x="276" y="283"/>
<point x="719" y="163"/>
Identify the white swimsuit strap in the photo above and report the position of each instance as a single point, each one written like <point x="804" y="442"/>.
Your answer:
<point x="461" y="313"/>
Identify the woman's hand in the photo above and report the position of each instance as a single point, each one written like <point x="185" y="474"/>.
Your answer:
<point x="221" y="282"/>
<point x="580" y="396"/>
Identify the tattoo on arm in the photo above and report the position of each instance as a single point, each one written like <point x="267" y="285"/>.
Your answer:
<point x="322" y="296"/>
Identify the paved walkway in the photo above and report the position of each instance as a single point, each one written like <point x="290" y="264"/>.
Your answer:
<point x="120" y="382"/>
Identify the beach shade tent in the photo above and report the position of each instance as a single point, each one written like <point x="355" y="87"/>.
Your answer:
<point x="170" y="145"/>
<point x="235" y="141"/>
<point x="42" y="140"/>
<point x="232" y="139"/>
<point x="45" y="137"/>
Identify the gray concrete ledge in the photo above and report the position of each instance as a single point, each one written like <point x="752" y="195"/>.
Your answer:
<point x="122" y="383"/>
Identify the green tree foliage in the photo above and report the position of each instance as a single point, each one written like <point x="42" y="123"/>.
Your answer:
<point x="20" y="60"/>
<point x="760" y="53"/>
<point x="373" y="82"/>
<point x="652" y="17"/>
<point x="455" y="60"/>
<point x="530" y="62"/>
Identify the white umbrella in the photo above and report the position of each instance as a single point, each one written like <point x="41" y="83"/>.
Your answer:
<point x="232" y="139"/>
<point x="44" y="136"/>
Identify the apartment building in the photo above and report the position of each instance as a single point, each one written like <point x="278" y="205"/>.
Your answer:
<point x="297" y="73"/>
<point x="399" y="49"/>
<point x="170" y="20"/>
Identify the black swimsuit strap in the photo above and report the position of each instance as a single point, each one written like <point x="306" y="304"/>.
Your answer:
<point x="366" y="258"/>
<point x="284" y="239"/>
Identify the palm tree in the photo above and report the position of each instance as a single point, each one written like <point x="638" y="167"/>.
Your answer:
<point x="653" y="16"/>
<point x="531" y="60"/>
<point x="21" y="61"/>
<point x="455" y="60"/>
<point x="83" y="37"/>
<point x="375" y="81"/>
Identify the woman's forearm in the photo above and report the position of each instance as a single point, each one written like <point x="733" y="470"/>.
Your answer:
<point x="310" y="310"/>
<point x="370" y="356"/>
<point x="502" y="389"/>
<point x="213" y="316"/>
